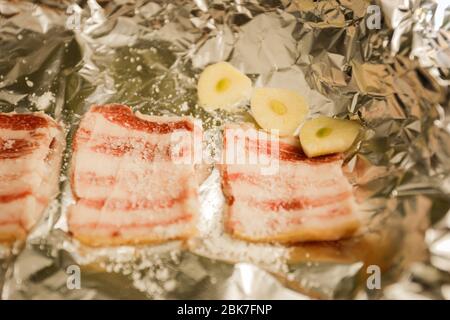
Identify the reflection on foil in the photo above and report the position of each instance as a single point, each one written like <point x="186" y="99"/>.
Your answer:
<point x="60" y="57"/>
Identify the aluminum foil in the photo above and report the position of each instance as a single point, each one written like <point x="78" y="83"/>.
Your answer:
<point x="385" y="63"/>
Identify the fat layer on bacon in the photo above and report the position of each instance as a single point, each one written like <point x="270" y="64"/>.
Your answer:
<point x="133" y="177"/>
<point x="298" y="199"/>
<point x="31" y="148"/>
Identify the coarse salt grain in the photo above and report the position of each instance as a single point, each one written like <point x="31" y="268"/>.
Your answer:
<point x="44" y="101"/>
<point x="8" y="144"/>
<point x="184" y="107"/>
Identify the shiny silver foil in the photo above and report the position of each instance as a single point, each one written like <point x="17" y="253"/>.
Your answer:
<point x="384" y="62"/>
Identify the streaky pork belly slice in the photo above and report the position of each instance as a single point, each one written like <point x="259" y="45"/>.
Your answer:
<point x="299" y="199"/>
<point x="133" y="177"/>
<point x="31" y="147"/>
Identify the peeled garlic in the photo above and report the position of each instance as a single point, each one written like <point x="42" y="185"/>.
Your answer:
<point x="325" y="135"/>
<point x="222" y="86"/>
<point x="278" y="109"/>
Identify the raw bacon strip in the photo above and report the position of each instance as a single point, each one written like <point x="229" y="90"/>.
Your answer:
<point x="302" y="199"/>
<point x="133" y="181"/>
<point x="31" y="148"/>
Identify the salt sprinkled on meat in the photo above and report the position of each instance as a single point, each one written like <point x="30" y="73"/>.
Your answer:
<point x="8" y="144"/>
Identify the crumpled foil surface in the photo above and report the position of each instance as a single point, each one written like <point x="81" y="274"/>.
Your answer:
<point x="391" y="73"/>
